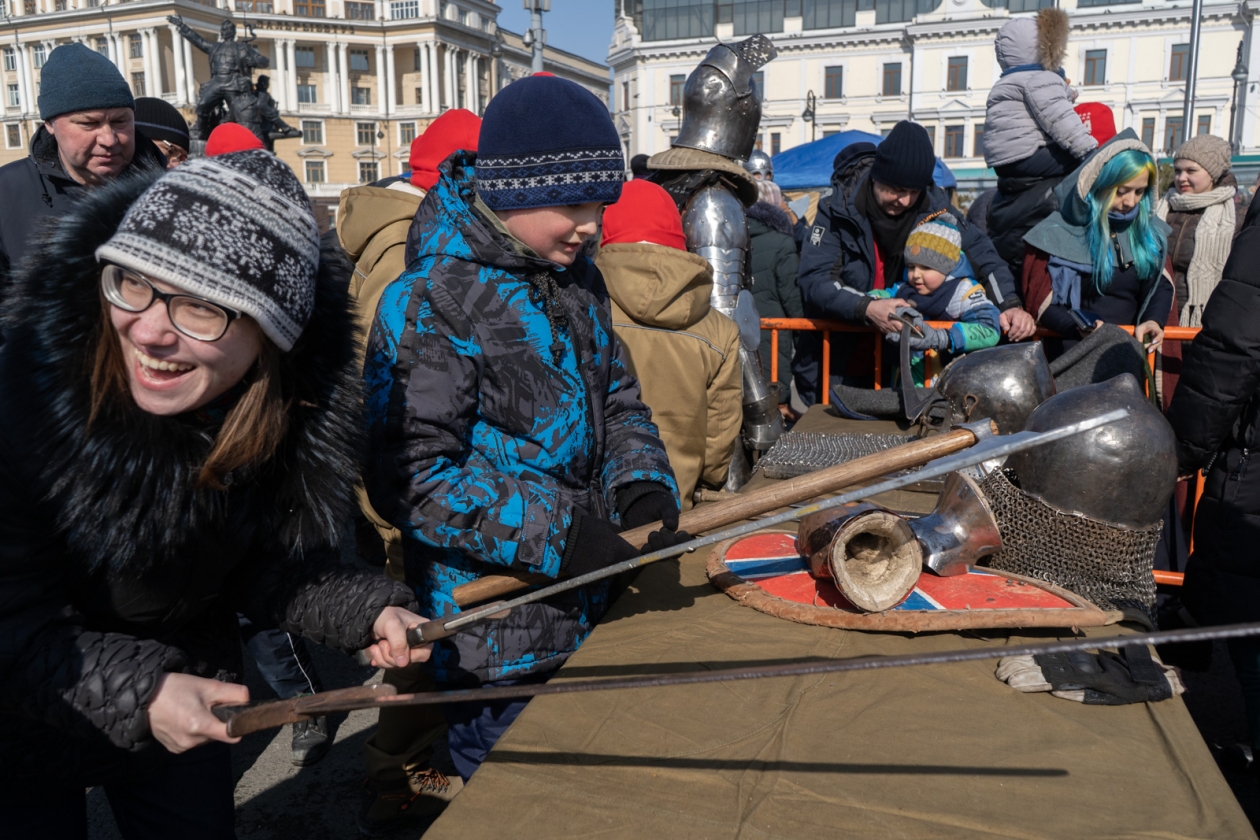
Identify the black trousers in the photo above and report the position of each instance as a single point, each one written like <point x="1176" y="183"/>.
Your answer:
<point x="190" y="798"/>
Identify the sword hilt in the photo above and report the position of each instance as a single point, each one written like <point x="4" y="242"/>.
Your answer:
<point x="430" y="632"/>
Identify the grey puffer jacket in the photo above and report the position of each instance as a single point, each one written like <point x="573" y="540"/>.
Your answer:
<point x="1031" y="106"/>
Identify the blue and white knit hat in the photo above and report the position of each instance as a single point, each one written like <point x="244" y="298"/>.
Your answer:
<point x="544" y="142"/>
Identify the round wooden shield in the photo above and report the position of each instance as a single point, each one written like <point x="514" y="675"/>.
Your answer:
<point x="765" y="571"/>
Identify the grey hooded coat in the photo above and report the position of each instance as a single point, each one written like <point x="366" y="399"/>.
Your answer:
<point x="1030" y="106"/>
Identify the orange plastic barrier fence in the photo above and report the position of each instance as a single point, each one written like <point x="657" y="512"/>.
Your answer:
<point x="828" y="327"/>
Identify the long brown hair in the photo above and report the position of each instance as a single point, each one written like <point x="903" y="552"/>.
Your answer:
<point x="253" y="429"/>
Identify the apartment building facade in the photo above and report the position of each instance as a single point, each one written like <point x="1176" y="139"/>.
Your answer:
<point x="360" y="79"/>
<point x="865" y="64"/>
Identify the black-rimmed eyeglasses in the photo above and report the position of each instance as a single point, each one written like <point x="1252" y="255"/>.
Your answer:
<point x="193" y="316"/>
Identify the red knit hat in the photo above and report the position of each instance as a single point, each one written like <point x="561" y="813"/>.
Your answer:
<point x="454" y="130"/>
<point x="1098" y="119"/>
<point x="231" y="137"/>
<point x="645" y="213"/>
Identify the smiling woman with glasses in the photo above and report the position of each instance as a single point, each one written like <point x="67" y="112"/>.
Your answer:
<point x="179" y="428"/>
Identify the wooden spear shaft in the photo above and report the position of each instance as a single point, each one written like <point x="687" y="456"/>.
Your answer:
<point x="914" y="453"/>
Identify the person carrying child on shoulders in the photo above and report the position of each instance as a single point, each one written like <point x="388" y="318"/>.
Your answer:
<point x="938" y="287"/>
<point x="505" y="428"/>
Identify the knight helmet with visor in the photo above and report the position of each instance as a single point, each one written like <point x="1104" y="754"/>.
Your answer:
<point x="721" y="103"/>
<point x="1003" y="384"/>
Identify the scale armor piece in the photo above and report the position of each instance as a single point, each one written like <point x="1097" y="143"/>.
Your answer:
<point x="798" y="453"/>
<point x="1105" y="564"/>
<point x="721" y="109"/>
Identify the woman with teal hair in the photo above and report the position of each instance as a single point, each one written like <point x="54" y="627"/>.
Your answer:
<point x="1100" y="259"/>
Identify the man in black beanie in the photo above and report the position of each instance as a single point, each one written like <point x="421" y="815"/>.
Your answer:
<point x="88" y="138"/>
<point x="856" y="245"/>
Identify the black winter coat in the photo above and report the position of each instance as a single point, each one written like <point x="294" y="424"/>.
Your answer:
<point x="774" y="269"/>
<point x="1215" y="412"/>
<point x="37" y="186"/>
<point x="113" y="567"/>
<point x="838" y="266"/>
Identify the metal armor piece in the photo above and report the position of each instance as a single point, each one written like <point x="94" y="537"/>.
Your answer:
<point x="871" y="554"/>
<point x="758" y="164"/>
<point x="960" y="531"/>
<point x="798" y="453"/>
<point x="1004" y="384"/>
<point x="721" y="107"/>
<point x="1122" y="474"/>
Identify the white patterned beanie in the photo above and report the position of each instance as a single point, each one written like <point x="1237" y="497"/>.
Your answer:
<point x="546" y="141"/>
<point x="236" y="229"/>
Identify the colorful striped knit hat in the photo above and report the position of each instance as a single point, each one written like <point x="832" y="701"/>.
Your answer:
<point x="936" y="243"/>
<point x="546" y="141"/>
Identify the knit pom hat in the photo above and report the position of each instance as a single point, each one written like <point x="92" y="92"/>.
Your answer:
<point x="645" y="213"/>
<point x="1098" y="120"/>
<point x="904" y="158"/>
<point x="1209" y="151"/>
<point x="456" y="129"/>
<point x="546" y="141"/>
<point x="235" y="229"/>
<point x="935" y="243"/>
<point x="231" y="137"/>
<point x="158" y="119"/>
<point x="76" y="78"/>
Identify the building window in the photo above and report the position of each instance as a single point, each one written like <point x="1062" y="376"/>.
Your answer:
<point x="931" y="133"/>
<point x="14" y="101"/>
<point x="828" y="14"/>
<point x="892" y="79"/>
<point x="261" y="7"/>
<point x="1179" y="64"/>
<point x="664" y="20"/>
<point x="136" y="45"/>
<point x="954" y="141"/>
<point x="359" y="61"/>
<point x="1087" y="3"/>
<point x="102" y="46"/>
<point x="314" y="172"/>
<point x="360" y="96"/>
<point x="1148" y="132"/>
<point x="900" y="11"/>
<point x="1016" y="6"/>
<point x="360" y="11"/>
<point x="833" y="83"/>
<point x="306" y="95"/>
<point x="38" y="57"/>
<point x="1204" y="125"/>
<point x="365" y="133"/>
<point x="309" y="8"/>
<point x="10" y="58"/>
<point x="759" y="85"/>
<point x="137" y="83"/>
<point x="776" y="143"/>
<point x="1095" y="68"/>
<point x="369" y="171"/>
<point x="1173" y="134"/>
<point x="625" y="96"/>
<point x="312" y="132"/>
<point x="406" y="133"/>
<point x="304" y="57"/>
<point x="978" y="144"/>
<point x="419" y="95"/>
<point x="404" y="9"/>
<point x="12" y="136"/>
<point x="956" y="74"/>
<point x="752" y="18"/>
<point x="676" y="82"/>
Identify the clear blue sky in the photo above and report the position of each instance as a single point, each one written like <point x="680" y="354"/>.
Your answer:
<point x="582" y="27"/>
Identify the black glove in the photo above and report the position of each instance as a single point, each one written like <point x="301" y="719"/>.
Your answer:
<point x="593" y="543"/>
<point x="645" y="502"/>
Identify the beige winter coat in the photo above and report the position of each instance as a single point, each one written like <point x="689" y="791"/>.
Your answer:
<point x="684" y="354"/>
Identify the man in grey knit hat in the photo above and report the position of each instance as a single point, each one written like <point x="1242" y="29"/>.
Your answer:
<point x="88" y="138"/>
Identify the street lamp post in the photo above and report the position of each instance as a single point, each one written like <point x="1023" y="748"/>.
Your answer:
<point x="1239" y="75"/>
<point x="810" y="115"/>
<point x="536" y="37"/>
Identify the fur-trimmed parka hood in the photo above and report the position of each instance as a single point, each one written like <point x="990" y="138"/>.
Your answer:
<point x="123" y="486"/>
<point x="1040" y="40"/>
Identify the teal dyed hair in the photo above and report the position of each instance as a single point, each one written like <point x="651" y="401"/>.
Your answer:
<point x="1147" y="242"/>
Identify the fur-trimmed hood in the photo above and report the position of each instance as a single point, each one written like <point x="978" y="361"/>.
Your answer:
<point x="123" y="489"/>
<point x="772" y="217"/>
<point x="1040" y="40"/>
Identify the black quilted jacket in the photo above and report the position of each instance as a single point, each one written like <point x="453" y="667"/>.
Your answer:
<point x="113" y="568"/>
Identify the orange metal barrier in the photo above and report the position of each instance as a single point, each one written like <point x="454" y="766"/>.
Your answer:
<point x="827" y="327"/>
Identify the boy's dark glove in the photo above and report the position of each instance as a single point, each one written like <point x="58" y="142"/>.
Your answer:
<point x="592" y="544"/>
<point x="645" y="502"/>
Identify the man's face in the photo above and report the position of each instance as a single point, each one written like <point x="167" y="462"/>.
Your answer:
<point x="227" y="31"/>
<point x="894" y="200"/>
<point x="95" y="146"/>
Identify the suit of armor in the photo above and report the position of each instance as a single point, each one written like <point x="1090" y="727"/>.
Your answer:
<point x="701" y="172"/>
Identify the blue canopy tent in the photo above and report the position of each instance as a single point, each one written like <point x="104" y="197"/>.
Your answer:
<point x="809" y="166"/>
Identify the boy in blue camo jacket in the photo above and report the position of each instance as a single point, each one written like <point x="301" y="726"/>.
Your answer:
<point x="505" y="429"/>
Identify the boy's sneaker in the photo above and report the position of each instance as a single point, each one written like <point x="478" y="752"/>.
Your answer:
<point x="310" y="741"/>
<point x="423" y="794"/>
